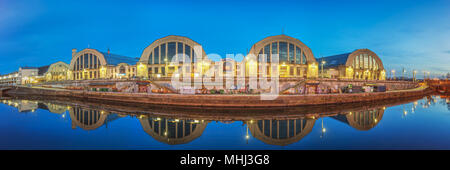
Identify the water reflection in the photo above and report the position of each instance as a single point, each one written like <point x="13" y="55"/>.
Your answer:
<point x="173" y="131"/>
<point x="362" y="120"/>
<point x="178" y="125"/>
<point x="281" y="132"/>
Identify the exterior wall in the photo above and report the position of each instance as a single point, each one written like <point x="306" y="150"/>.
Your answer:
<point x="225" y="100"/>
<point x="28" y="76"/>
<point x="358" y="71"/>
<point x="82" y="69"/>
<point x="123" y="71"/>
<point x="57" y="72"/>
<point x="10" y="79"/>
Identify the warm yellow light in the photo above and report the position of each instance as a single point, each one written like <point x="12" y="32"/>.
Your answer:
<point x="324" y="130"/>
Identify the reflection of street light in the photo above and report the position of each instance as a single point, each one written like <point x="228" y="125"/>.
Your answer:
<point x="323" y="130"/>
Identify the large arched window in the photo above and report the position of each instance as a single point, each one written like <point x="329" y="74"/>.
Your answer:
<point x="287" y="53"/>
<point x="165" y="53"/>
<point x="86" y="61"/>
<point x="365" y="61"/>
<point x="122" y="70"/>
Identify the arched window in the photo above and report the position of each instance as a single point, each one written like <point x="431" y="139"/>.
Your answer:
<point x="164" y="53"/>
<point x="287" y="52"/>
<point x="122" y="70"/>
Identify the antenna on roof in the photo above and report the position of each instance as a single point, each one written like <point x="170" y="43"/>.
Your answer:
<point x="89" y="46"/>
<point x="108" y="50"/>
<point x="282" y="31"/>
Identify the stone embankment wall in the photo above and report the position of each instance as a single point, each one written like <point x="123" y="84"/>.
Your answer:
<point x="222" y="100"/>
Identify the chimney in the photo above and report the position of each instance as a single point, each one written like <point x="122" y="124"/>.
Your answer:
<point x="74" y="51"/>
<point x="108" y="50"/>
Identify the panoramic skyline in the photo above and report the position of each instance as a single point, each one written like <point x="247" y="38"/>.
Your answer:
<point x="409" y="34"/>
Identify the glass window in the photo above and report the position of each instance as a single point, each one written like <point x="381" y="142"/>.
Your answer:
<point x="291" y="53"/>
<point x="95" y="62"/>
<point x="91" y="62"/>
<point x="283" y="52"/>
<point x="180" y="51"/>
<point x="77" y="65"/>
<point x="267" y="52"/>
<point x="194" y="56"/>
<point x="86" y="60"/>
<point x="187" y="52"/>
<point x="150" y="58"/>
<point x="163" y="54"/>
<point x="171" y="50"/>
<point x="304" y="58"/>
<point x="366" y="61"/>
<point x="298" y="54"/>
<point x="156" y="52"/>
<point x="274" y="50"/>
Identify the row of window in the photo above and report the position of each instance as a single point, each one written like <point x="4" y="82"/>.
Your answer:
<point x="87" y="61"/>
<point x="364" y="61"/>
<point x="166" y="52"/>
<point x="287" y="52"/>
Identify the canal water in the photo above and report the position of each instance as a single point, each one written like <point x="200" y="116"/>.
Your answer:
<point x="420" y="123"/>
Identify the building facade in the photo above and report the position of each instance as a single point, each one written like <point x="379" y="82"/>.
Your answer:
<point x="361" y="64"/>
<point x="91" y="64"/>
<point x="179" y="56"/>
<point x="173" y="55"/>
<point x="295" y="59"/>
<point x="57" y="72"/>
<point x="10" y="79"/>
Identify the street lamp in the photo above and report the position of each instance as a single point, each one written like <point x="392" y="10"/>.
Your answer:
<point x="414" y="75"/>
<point x="323" y="63"/>
<point x="393" y="74"/>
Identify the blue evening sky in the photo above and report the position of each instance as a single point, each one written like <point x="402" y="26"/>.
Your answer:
<point x="404" y="33"/>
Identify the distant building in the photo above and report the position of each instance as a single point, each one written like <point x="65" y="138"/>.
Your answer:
<point x="10" y="79"/>
<point x="361" y="64"/>
<point x="92" y="64"/>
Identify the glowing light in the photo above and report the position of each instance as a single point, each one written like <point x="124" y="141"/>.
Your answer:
<point x="324" y="130"/>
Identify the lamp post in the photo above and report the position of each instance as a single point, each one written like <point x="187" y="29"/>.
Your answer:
<point x="414" y="75"/>
<point x="403" y="74"/>
<point x="393" y="74"/>
<point x="323" y="63"/>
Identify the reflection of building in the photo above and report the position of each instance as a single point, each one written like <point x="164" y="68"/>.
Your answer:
<point x="295" y="58"/>
<point x="362" y="120"/>
<point x="53" y="108"/>
<point x="173" y="131"/>
<point x="281" y="132"/>
<point x="92" y="64"/>
<point x="89" y="119"/>
<point x="359" y="64"/>
<point x="22" y="105"/>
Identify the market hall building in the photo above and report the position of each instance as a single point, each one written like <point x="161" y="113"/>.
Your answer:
<point x="159" y="60"/>
<point x="91" y="64"/>
<point x="361" y="64"/>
